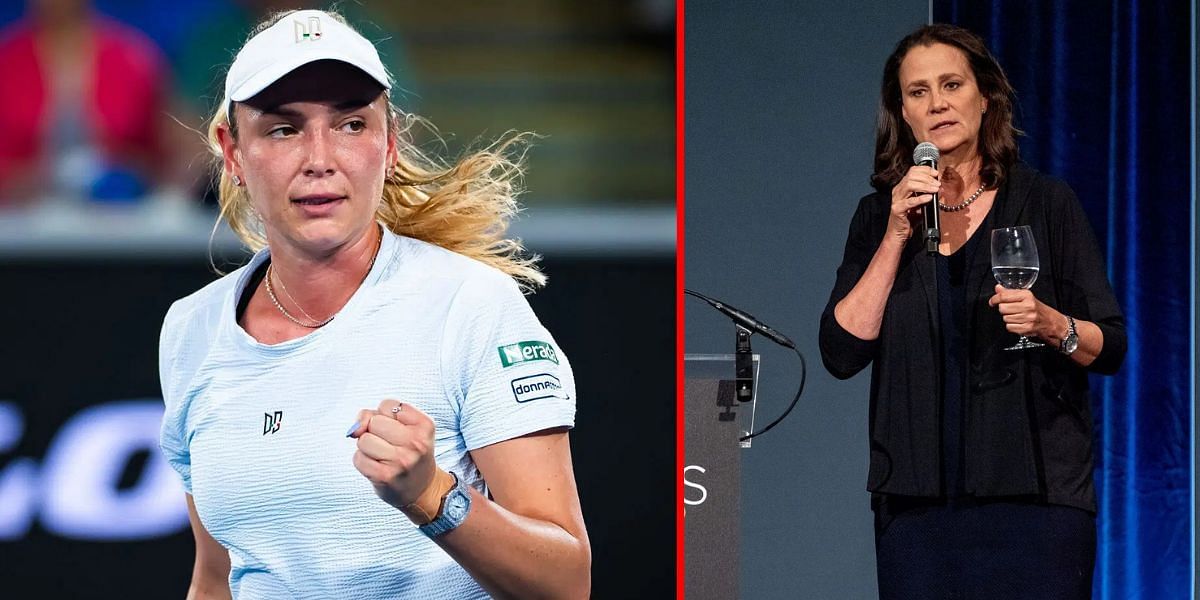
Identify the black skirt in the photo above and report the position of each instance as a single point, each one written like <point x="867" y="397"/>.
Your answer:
<point x="978" y="550"/>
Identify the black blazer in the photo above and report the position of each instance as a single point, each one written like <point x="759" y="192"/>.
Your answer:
<point x="1027" y="420"/>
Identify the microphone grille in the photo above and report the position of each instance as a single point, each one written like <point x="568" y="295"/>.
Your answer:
<point x="925" y="151"/>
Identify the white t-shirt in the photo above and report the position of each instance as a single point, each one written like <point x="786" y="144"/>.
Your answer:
<point x="258" y="432"/>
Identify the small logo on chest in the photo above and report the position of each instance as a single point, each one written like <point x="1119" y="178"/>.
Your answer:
<point x="271" y="422"/>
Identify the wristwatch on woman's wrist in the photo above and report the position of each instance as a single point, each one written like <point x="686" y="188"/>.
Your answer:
<point x="455" y="507"/>
<point x="1071" y="342"/>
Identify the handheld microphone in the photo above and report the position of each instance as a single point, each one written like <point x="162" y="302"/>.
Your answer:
<point x="927" y="155"/>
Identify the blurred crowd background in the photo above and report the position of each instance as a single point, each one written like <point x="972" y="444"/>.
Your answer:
<point x="116" y="94"/>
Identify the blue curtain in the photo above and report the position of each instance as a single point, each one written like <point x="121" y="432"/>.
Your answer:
<point x="1103" y="94"/>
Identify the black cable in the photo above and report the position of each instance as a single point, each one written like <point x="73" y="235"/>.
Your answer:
<point x="803" y="377"/>
<point x="782" y="341"/>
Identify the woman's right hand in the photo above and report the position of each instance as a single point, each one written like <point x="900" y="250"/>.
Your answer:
<point x="908" y="196"/>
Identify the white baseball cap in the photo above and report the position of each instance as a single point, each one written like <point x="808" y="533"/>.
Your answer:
<point x="297" y="39"/>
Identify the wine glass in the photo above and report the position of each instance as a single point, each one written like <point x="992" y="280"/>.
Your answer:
<point x="1015" y="265"/>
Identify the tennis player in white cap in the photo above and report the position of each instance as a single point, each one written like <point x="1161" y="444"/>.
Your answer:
<point x="383" y="298"/>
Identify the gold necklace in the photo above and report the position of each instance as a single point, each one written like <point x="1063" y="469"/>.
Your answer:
<point x="293" y="299"/>
<point x="313" y="323"/>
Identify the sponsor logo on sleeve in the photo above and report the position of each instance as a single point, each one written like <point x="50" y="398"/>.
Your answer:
<point x="523" y="352"/>
<point x="536" y="387"/>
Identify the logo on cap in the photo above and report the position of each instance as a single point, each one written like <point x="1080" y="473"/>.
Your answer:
<point x="310" y="33"/>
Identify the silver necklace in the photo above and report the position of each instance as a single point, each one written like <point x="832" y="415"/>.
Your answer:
<point x="964" y="204"/>
<point x="313" y="323"/>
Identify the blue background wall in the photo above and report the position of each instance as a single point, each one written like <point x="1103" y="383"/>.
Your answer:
<point x="1103" y="95"/>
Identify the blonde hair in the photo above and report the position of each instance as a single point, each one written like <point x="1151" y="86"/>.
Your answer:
<point x="463" y="207"/>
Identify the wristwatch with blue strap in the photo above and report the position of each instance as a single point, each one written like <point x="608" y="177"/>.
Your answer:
<point x="455" y="507"/>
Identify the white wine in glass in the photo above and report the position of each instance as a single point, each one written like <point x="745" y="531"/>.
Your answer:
<point x="1015" y="265"/>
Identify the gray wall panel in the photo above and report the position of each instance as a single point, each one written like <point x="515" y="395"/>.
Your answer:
<point x="780" y="108"/>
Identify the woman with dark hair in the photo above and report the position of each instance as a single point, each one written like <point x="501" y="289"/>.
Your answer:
<point x="981" y="458"/>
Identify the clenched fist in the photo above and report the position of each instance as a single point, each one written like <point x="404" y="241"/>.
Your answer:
<point x="395" y="452"/>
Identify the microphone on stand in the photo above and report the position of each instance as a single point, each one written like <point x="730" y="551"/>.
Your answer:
<point x="745" y="319"/>
<point x="927" y="155"/>
<point x="746" y="326"/>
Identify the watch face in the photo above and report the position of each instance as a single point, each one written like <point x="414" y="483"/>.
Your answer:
<point x="1070" y="344"/>
<point x="456" y="505"/>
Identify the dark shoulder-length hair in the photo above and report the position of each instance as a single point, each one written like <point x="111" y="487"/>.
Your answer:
<point x="894" y="140"/>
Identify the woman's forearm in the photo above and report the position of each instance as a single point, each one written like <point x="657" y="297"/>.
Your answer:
<point x="1091" y="339"/>
<point x="1091" y="342"/>
<point x="861" y="312"/>
<point x="530" y="542"/>
<point x="514" y="556"/>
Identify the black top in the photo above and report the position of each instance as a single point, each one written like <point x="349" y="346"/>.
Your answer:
<point x="1026" y="426"/>
<point x="951" y="280"/>
<point x="952" y="314"/>
<point x="248" y="292"/>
